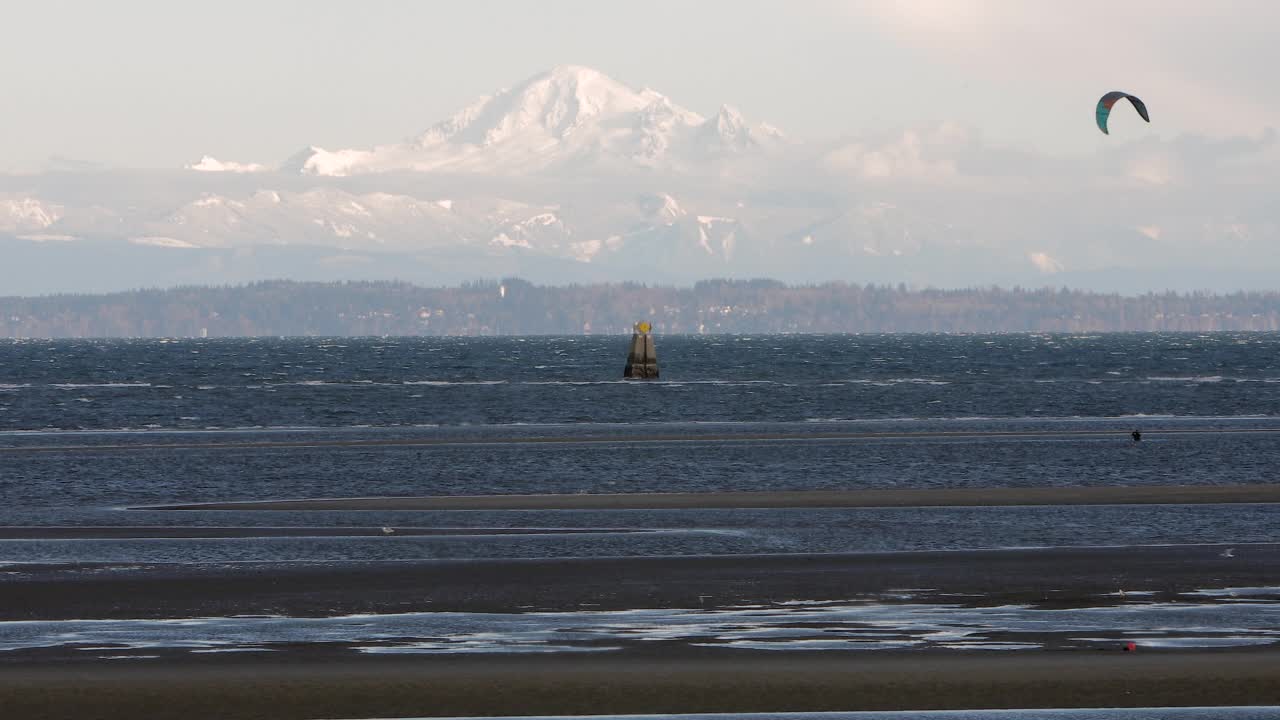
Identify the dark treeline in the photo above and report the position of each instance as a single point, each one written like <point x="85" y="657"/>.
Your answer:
<point x="516" y="307"/>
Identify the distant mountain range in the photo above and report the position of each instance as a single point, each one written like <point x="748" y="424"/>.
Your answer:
<point x="572" y="176"/>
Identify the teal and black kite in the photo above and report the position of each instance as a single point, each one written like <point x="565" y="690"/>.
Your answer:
<point x="1110" y="99"/>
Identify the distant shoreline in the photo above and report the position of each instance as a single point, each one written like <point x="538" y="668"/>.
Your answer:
<point x="279" y="308"/>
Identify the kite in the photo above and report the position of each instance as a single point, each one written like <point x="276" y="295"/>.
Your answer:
<point x="1109" y="100"/>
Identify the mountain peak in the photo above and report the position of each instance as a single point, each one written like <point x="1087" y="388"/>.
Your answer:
<point x="729" y="132"/>
<point x="568" y="116"/>
<point x="730" y="116"/>
<point x="572" y="73"/>
<point x="554" y="102"/>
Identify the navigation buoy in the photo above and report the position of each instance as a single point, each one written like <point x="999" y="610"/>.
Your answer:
<point x="1131" y="647"/>
<point x="642" y="361"/>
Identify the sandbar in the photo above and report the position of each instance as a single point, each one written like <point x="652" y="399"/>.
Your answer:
<point x="1061" y="576"/>
<point x="241" y="687"/>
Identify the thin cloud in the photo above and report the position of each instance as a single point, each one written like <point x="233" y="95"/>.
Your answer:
<point x="1204" y="67"/>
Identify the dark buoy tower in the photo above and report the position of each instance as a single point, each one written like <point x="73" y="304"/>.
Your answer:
<point x="642" y="361"/>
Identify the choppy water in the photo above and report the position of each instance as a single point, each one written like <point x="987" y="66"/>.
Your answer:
<point x="198" y="384"/>
<point x="932" y="411"/>
<point x="487" y="394"/>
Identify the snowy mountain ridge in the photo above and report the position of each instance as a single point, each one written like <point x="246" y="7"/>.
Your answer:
<point x="568" y="117"/>
<point x="571" y="176"/>
<point x="18" y="213"/>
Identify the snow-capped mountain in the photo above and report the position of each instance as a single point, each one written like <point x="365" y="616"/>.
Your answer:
<point x="571" y="117"/>
<point x="19" y="213"/>
<point x="209" y="163"/>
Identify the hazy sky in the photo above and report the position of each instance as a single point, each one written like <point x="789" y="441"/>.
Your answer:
<point x="158" y="83"/>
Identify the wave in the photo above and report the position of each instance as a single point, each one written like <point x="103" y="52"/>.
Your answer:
<point x="1110" y="379"/>
<point x="669" y="383"/>
<point x="885" y="382"/>
<point x="443" y="383"/>
<point x="80" y="386"/>
<point x="929" y="423"/>
<point x="1211" y="379"/>
<point x="852" y="421"/>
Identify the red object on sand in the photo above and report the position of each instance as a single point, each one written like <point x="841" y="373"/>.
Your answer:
<point x="1131" y="647"/>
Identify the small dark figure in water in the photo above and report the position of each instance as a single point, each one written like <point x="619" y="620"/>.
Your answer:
<point x="1137" y="436"/>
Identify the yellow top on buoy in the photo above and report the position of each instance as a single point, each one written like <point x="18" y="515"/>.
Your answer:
<point x="643" y="327"/>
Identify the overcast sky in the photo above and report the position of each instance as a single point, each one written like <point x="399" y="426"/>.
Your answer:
<point x="157" y="83"/>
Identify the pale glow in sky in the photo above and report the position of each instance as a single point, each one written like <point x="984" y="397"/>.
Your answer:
<point x="150" y="83"/>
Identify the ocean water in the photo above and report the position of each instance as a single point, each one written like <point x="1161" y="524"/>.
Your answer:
<point x="339" y="383"/>
<point x="93" y="433"/>
<point x="287" y="418"/>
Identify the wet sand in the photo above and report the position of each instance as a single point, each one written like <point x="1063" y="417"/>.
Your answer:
<point x="909" y="497"/>
<point x="316" y="681"/>
<point x="361" y="687"/>
<point x="1063" y="576"/>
